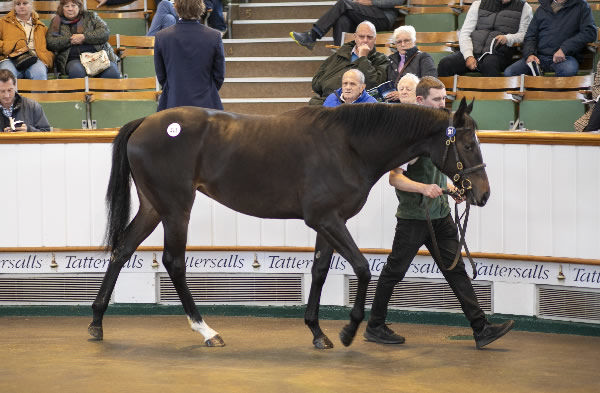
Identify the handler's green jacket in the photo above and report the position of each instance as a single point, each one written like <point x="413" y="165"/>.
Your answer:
<point x="329" y="75"/>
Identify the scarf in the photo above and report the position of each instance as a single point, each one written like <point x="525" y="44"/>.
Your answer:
<point x="58" y="20"/>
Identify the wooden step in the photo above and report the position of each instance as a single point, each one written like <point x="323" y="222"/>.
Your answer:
<point x="263" y="106"/>
<point x="246" y="67"/>
<point x="266" y="87"/>
<point x="297" y="10"/>
<point x="270" y="27"/>
<point x="256" y="47"/>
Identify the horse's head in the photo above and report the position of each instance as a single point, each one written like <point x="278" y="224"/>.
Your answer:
<point x="461" y="158"/>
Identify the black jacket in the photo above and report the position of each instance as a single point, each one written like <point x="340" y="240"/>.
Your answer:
<point x="416" y="62"/>
<point x="28" y="111"/>
<point x="570" y="29"/>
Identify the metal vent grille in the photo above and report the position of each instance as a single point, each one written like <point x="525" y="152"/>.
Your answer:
<point x="424" y="295"/>
<point x="48" y="289"/>
<point x="569" y="304"/>
<point x="237" y="288"/>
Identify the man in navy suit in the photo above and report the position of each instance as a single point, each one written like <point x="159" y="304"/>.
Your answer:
<point x="189" y="60"/>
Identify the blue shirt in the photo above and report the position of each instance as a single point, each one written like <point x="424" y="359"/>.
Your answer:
<point x="332" y="100"/>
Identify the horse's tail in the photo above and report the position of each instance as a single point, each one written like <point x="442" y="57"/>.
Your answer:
<point x="118" y="194"/>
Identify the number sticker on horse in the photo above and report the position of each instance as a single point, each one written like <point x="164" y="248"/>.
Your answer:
<point x="450" y="132"/>
<point x="173" y="129"/>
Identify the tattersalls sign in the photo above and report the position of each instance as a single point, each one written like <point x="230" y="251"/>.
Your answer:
<point x="301" y="262"/>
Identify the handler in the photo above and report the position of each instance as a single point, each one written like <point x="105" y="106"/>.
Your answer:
<point x="413" y="181"/>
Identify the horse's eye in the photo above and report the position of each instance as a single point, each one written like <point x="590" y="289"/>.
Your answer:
<point x="469" y="147"/>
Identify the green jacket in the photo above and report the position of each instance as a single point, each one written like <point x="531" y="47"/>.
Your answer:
<point x="96" y="33"/>
<point x="329" y="75"/>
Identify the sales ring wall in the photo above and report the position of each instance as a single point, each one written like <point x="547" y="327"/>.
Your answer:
<point x="535" y="242"/>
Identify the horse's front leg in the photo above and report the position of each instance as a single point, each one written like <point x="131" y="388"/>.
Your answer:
<point x="174" y="262"/>
<point x="320" y="268"/>
<point x="334" y="230"/>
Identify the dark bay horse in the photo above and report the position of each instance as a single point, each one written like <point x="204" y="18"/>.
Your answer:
<point x="315" y="164"/>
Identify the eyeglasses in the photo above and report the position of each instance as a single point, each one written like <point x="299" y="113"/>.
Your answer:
<point x="364" y="37"/>
<point x="406" y="41"/>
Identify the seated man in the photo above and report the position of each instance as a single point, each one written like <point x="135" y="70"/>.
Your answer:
<point x="19" y="114"/>
<point x="346" y="15"/>
<point x="502" y="21"/>
<point x="359" y="54"/>
<point x="352" y="90"/>
<point x="556" y="37"/>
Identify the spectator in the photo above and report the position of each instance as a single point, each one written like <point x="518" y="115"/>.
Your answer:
<point x="359" y="54"/>
<point x="189" y="60"/>
<point x="407" y="89"/>
<point x="19" y="114"/>
<point x="408" y="59"/>
<point x="215" y="19"/>
<point x="112" y="2"/>
<point x="501" y="23"/>
<point x="556" y="37"/>
<point x="21" y="30"/>
<point x="415" y="182"/>
<point x="74" y="31"/>
<point x="346" y="15"/>
<point x="352" y="90"/>
<point x="164" y="17"/>
<point x="590" y="121"/>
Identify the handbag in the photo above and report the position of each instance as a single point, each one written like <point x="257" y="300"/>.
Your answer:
<point x="94" y="62"/>
<point x="24" y="57"/>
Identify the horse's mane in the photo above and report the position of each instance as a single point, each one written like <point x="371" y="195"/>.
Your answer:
<point x="398" y="120"/>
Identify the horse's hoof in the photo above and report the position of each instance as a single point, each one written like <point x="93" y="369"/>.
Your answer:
<point x="96" y="332"/>
<point x="322" y="342"/>
<point x="215" y="341"/>
<point x="347" y="335"/>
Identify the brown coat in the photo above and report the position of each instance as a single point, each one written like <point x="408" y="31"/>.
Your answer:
<point x="13" y="38"/>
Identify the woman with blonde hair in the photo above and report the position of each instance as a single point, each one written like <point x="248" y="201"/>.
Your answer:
<point x="407" y="89"/>
<point x="21" y="30"/>
<point x="74" y="31"/>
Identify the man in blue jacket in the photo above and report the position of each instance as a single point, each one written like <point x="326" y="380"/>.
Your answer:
<point x="352" y="90"/>
<point x="556" y="37"/>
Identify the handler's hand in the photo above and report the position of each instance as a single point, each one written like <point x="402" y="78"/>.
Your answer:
<point x="431" y="190"/>
<point x="559" y="56"/>
<point x="471" y="63"/>
<point x="455" y="195"/>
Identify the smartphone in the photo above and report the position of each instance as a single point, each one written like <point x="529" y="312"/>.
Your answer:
<point x="16" y="124"/>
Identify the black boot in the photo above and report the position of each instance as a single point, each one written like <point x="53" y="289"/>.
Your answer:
<point x="307" y="40"/>
<point x="382" y="334"/>
<point x="491" y="332"/>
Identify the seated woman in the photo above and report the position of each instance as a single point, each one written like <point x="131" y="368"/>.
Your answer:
<point x="408" y="59"/>
<point x="74" y="31"/>
<point x="21" y="29"/>
<point x="407" y="89"/>
<point x="164" y="17"/>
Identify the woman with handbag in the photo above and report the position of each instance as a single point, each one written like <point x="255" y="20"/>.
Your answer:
<point x="23" y="42"/>
<point x="79" y="38"/>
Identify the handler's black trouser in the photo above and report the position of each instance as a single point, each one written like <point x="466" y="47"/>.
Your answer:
<point x="490" y="65"/>
<point x="410" y="236"/>
<point x="345" y="15"/>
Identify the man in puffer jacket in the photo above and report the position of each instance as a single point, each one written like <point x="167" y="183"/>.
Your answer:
<point x="556" y="38"/>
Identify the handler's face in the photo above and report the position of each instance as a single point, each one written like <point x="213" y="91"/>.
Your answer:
<point x="435" y="99"/>
<point x="351" y="87"/>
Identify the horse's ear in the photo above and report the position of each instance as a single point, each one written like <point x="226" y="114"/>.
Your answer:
<point x="470" y="106"/>
<point x="460" y="112"/>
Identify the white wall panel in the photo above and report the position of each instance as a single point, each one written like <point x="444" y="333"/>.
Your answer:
<point x="200" y="231"/>
<point x="248" y="230"/>
<point x="78" y="194"/>
<point x="491" y="222"/>
<point x="370" y="226"/>
<point x="224" y="226"/>
<point x="298" y="234"/>
<point x="54" y="202"/>
<point x="514" y="199"/>
<point x="100" y="159"/>
<point x="564" y="201"/>
<point x="539" y="200"/>
<point x="588" y="204"/>
<point x="9" y="199"/>
<point x="29" y="193"/>
<point x="271" y="232"/>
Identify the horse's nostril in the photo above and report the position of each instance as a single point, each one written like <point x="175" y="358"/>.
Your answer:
<point x="485" y="197"/>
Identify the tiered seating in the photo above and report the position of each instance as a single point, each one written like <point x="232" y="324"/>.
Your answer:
<point x="430" y="15"/>
<point x="127" y="19"/>
<point x="136" y="54"/>
<point x="561" y="97"/>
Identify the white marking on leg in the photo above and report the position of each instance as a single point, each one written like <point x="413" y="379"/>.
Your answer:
<point x="202" y="328"/>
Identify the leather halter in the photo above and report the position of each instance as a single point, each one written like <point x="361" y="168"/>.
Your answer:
<point x="465" y="184"/>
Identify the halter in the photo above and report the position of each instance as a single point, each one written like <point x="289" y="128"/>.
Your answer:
<point x="465" y="184"/>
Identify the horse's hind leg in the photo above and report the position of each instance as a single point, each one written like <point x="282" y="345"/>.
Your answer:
<point x="140" y="228"/>
<point x="320" y="268"/>
<point x="337" y="235"/>
<point x="176" y="227"/>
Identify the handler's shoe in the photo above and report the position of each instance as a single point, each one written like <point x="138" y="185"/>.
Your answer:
<point x="491" y="332"/>
<point x="382" y="334"/>
<point x="303" y="39"/>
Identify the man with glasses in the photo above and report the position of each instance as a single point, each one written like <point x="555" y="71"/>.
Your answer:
<point x="359" y="54"/>
<point x="345" y="16"/>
